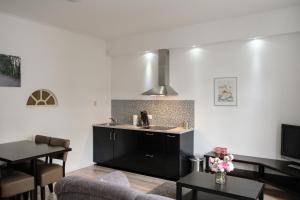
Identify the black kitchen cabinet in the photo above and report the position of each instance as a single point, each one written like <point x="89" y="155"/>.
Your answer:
<point x="114" y="147"/>
<point x="151" y="149"/>
<point x="163" y="155"/>
<point x="151" y="144"/>
<point x="103" y="145"/>
<point x="125" y="148"/>
<point x="172" y="155"/>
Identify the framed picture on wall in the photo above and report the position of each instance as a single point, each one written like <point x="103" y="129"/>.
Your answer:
<point x="225" y="91"/>
<point x="10" y="71"/>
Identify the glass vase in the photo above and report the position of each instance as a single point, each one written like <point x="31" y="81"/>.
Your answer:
<point x="220" y="177"/>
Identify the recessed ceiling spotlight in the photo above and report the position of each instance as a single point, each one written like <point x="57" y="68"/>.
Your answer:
<point x="74" y="1"/>
<point x="255" y="38"/>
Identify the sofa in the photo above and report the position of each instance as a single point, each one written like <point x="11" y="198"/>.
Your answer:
<point x="113" y="186"/>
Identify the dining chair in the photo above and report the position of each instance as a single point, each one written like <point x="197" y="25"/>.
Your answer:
<point x="41" y="139"/>
<point x="50" y="173"/>
<point x="15" y="183"/>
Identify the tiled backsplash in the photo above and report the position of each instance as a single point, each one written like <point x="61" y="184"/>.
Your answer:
<point x="164" y="112"/>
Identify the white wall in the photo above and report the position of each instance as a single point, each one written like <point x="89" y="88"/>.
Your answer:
<point x="74" y="67"/>
<point x="268" y="72"/>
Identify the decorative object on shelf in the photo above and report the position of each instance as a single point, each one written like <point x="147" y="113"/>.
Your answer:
<point x="10" y="71"/>
<point x="225" y="91"/>
<point x="221" y="167"/>
<point x="42" y="97"/>
<point x="221" y="151"/>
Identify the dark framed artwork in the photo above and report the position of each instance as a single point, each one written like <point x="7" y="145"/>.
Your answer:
<point x="225" y="93"/>
<point x="10" y="71"/>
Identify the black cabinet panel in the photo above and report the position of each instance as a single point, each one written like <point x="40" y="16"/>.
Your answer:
<point x="151" y="144"/>
<point x="151" y="165"/>
<point x="171" y="155"/>
<point x="125" y="148"/>
<point x="103" y="145"/>
<point x="186" y="151"/>
<point x="150" y="152"/>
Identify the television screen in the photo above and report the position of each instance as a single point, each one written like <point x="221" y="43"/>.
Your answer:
<point x="290" y="141"/>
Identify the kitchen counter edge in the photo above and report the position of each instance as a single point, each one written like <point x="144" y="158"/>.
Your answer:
<point x="178" y="130"/>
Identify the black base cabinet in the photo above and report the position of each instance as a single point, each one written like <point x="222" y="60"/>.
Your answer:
<point x="103" y="146"/>
<point x="157" y="154"/>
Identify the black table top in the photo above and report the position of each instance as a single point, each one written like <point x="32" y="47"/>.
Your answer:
<point x="234" y="187"/>
<point x="25" y="150"/>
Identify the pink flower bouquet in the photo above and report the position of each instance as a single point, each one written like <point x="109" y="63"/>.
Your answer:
<point x="221" y="165"/>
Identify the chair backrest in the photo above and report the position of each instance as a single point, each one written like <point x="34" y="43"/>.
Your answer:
<point x="60" y="143"/>
<point x="41" y="139"/>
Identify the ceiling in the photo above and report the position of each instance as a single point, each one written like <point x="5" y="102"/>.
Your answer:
<point x="111" y="19"/>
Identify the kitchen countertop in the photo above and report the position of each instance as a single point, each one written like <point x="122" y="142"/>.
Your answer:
<point x="177" y="130"/>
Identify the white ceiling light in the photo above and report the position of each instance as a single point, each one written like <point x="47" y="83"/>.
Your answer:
<point x="74" y="1"/>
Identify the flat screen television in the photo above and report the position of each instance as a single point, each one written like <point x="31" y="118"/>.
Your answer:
<point x="290" y="142"/>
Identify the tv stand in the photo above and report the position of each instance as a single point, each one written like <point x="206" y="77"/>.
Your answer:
<point x="288" y="177"/>
<point x="294" y="166"/>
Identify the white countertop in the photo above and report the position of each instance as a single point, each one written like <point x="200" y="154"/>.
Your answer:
<point x="177" y="130"/>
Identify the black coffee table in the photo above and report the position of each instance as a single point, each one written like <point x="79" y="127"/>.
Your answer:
<point x="235" y="188"/>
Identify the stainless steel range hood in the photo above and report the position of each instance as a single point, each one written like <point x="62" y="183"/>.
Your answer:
<point x="163" y="88"/>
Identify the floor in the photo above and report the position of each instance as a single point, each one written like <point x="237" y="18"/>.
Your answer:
<point x="146" y="183"/>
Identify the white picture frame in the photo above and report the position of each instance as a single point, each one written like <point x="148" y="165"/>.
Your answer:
<point x="225" y="91"/>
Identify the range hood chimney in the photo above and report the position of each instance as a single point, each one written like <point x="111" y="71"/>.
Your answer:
<point x="163" y="88"/>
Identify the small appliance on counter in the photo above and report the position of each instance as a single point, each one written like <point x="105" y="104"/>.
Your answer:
<point x="145" y="119"/>
<point x="135" y="120"/>
<point x="185" y="125"/>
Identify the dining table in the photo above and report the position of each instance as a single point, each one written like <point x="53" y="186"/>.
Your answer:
<point x="25" y="150"/>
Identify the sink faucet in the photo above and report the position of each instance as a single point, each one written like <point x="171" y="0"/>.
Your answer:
<point x="113" y="120"/>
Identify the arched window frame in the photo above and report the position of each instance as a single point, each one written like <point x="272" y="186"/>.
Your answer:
<point x="42" y="97"/>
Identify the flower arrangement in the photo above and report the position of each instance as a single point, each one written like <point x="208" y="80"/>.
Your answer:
<point x="221" y="167"/>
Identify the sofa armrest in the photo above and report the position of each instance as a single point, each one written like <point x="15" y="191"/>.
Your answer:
<point x="84" y="188"/>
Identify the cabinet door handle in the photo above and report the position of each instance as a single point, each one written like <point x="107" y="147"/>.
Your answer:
<point x="150" y="134"/>
<point x="114" y="136"/>
<point x="171" y="136"/>
<point x="110" y="137"/>
<point x="149" y="155"/>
